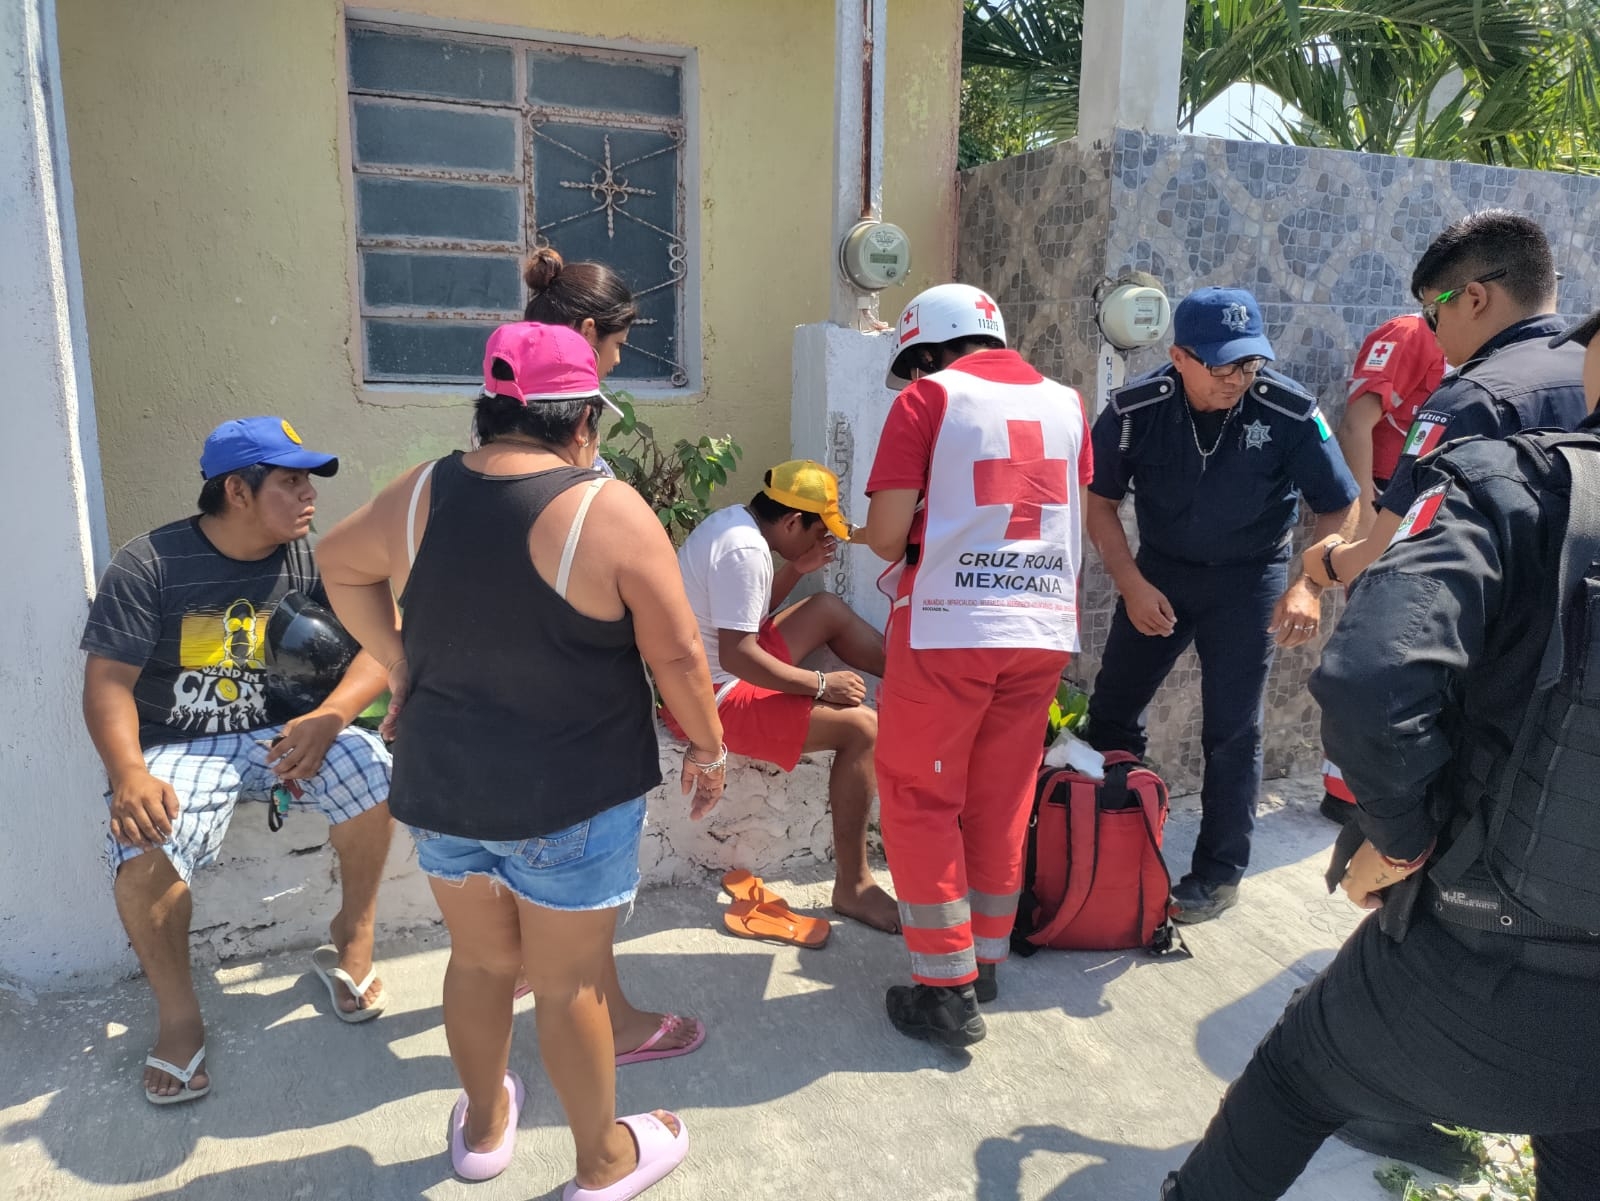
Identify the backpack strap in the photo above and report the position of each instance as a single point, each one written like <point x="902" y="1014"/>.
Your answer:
<point x="1167" y="937"/>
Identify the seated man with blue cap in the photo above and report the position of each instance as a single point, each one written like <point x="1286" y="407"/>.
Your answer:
<point x="191" y="711"/>
<point x="1219" y="451"/>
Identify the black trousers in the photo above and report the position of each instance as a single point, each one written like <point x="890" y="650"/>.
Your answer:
<point x="1414" y="1032"/>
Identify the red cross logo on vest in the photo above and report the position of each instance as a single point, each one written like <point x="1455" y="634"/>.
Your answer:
<point x="1027" y="481"/>
<point x="985" y="306"/>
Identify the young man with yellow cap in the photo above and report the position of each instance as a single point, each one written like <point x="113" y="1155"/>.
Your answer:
<point x="772" y="709"/>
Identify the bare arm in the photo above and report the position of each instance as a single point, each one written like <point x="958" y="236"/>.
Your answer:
<point x="889" y="517"/>
<point x="1148" y="608"/>
<point x="1351" y="558"/>
<point x="142" y="807"/>
<point x="1361" y="416"/>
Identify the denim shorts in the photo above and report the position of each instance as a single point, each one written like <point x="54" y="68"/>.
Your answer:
<point x="592" y="865"/>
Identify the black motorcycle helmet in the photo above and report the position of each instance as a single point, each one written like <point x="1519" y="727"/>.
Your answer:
<point x="308" y="652"/>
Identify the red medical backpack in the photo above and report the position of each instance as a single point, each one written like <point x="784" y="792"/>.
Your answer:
<point x="1095" y="879"/>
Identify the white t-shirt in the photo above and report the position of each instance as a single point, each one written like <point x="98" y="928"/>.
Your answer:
<point x="727" y="572"/>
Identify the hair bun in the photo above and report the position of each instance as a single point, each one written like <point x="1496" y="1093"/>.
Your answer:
<point x="542" y="268"/>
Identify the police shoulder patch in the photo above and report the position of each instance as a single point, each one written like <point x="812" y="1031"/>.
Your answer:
<point x="1143" y="393"/>
<point x="1284" y="397"/>
<point x="1421" y="514"/>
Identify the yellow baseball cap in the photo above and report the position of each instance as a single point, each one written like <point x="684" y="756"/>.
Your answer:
<point x="810" y="487"/>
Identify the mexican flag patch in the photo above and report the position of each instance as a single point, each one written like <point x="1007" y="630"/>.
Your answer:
<point x="1420" y="515"/>
<point x="1322" y="424"/>
<point x="1427" y="431"/>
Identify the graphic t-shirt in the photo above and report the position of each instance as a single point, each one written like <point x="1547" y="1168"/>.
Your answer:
<point x="195" y="622"/>
<point x="727" y="573"/>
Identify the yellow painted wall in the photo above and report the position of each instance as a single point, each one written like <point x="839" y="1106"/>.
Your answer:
<point x="214" y="223"/>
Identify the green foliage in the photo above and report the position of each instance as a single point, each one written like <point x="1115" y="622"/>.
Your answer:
<point x="676" y="483"/>
<point x="996" y="123"/>
<point x="1514" y="83"/>
<point x="1069" y="709"/>
<point x="1507" y="1172"/>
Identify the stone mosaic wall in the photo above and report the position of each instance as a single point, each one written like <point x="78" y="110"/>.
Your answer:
<point x="1325" y="239"/>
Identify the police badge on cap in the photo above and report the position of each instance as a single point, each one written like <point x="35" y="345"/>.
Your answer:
<point x="1220" y="326"/>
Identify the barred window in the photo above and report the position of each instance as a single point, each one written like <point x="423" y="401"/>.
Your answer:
<point x="468" y="151"/>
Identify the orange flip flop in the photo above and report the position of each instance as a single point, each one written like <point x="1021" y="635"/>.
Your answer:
<point x="775" y="923"/>
<point x="742" y="886"/>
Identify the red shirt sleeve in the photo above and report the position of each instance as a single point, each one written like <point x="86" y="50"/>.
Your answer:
<point x="1401" y="362"/>
<point x="1086" y="448"/>
<point x="905" y="448"/>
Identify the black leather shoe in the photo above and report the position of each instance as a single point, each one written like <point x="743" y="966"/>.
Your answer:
<point x="1199" y="901"/>
<point x="1336" y="809"/>
<point x="947" y="1016"/>
<point x="1425" y="1146"/>
<point x="986" y="987"/>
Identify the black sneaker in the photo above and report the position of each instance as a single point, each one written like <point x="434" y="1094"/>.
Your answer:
<point x="1169" y="1188"/>
<point x="986" y="987"/>
<point x="1425" y="1146"/>
<point x="1336" y="809"/>
<point x="947" y="1016"/>
<point x="1199" y="901"/>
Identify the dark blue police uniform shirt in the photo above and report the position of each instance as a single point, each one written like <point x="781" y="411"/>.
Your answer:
<point x="1515" y="382"/>
<point x="1274" y="448"/>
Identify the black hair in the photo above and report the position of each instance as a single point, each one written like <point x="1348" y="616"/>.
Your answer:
<point x="1492" y="240"/>
<point x="553" y="422"/>
<point x="572" y="293"/>
<point x="213" y="500"/>
<point x="769" y="512"/>
<point x="925" y="358"/>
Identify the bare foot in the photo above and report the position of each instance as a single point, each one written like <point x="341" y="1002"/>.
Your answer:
<point x="622" y="1156"/>
<point x="632" y="1028"/>
<point x="177" y="1044"/>
<point x="355" y="958"/>
<point x="868" y="904"/>
<point x="485" y="1127"/>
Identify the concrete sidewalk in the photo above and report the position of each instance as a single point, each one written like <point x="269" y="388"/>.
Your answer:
<point x="1098" y="1073"/>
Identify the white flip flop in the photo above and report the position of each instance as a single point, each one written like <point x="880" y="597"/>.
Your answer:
<point x="325" y="962"/>
<point x="182" y="1075"/>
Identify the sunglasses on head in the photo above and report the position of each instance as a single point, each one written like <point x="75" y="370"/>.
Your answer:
<point x="1430" y="311"/>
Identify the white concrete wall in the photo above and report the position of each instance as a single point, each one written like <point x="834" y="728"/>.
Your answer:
<point x="840" y="402"/>
<point x="56" y="916"/>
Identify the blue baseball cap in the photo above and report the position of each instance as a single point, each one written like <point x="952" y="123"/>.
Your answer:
<point x="252" y="440"/>
<point x="1221" y="325"/>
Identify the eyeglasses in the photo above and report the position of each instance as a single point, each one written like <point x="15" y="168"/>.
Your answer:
<point x="1430" y="311"/>
<point x="1246" y="367"/>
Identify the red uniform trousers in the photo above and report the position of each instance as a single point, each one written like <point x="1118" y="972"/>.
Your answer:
<point x="960" y="737"/>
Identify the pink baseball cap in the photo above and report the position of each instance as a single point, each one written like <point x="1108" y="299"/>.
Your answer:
<point x="546" y="362"/>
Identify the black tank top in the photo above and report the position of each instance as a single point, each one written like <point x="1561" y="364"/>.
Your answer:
<point x="524" y="716"/>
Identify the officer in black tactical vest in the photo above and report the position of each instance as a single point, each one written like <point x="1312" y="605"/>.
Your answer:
<point x="1461" y="695"/>
<point x="1218" y="451"/>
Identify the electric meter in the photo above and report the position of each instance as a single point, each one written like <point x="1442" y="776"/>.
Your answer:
<point x="875" y="255"/>
<point x="1134" y="315"/>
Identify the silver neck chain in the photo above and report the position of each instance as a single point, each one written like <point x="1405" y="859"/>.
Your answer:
<point x="1194" y="430"/>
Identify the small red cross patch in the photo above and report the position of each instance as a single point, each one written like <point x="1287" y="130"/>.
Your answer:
<point x="1027" y="481"/>
<point x="985" y="306"/>
<point x="909" y="328"/>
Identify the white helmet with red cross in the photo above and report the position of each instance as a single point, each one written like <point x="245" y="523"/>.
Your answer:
<point x="942" y="314"/>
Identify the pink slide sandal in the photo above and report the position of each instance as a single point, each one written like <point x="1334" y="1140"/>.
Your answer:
<point x="659" y="1152"/>
<point x="645" y="1051"/>
<point x="485" y="1165"/>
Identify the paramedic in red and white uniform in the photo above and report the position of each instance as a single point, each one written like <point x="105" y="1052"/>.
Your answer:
<point x="1397" y="369"/>
<point x="975" y="502"/>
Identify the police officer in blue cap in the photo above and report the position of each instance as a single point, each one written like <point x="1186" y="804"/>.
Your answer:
<point x="1218" y="451"/>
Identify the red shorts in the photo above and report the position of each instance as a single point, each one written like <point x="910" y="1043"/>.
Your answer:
<point x="760" y="723"/>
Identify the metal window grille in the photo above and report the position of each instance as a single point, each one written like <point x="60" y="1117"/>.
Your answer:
<point x="470" y="150"/>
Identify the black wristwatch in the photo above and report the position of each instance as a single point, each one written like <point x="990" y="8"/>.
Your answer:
<point x="1327" y="559"/>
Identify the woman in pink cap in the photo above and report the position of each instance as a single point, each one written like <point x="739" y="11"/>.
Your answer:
<point x="525" y="740"/>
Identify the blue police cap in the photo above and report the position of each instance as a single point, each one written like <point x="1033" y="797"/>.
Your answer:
<point x="1221" y="325"/>
<point x="252" y="440"/>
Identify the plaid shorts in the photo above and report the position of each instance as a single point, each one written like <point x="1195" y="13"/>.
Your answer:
<point x="212" y="774"/>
